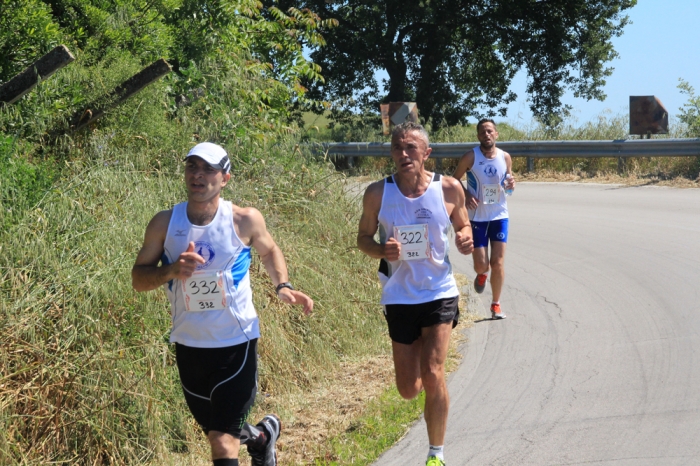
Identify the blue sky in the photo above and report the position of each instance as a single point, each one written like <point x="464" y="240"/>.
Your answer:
<point x="661" y="45"/>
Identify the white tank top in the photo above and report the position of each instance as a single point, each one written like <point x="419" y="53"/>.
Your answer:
<point x="422" y="280"/>
<point x="484" y="181"/>
<point x="221" y="284"/>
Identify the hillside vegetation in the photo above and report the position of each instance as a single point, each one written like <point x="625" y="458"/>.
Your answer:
<point x="86" y="372"/>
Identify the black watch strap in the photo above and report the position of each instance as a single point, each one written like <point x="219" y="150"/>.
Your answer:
<point x="283" y="285"/>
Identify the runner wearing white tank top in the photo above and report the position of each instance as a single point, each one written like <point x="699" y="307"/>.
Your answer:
<point x="427" y="279"/>
<point x="214" y="307"/>
<point x="489" y="173"/>
<point x="412" y="211"/>
<point x="199" y="251"/>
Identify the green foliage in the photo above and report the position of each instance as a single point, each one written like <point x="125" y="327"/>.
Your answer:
<point x="266" y="40"/>
<point x="97" y="28"/>
<point x="22" y="182"/>
<point x="457" y="58"/>
<point x="690" y="113"/>
<point x="27" y="31"/>
<point x="208" y="44"/>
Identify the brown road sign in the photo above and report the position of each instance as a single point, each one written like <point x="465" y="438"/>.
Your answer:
<point x="395" y="113"/>
<point x="647" y="115"/>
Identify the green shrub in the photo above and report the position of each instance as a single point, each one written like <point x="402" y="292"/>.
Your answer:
<point x="23" y="182"/>
<point x="27" y="31"/>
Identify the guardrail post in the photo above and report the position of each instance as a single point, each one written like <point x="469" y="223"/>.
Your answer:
<point x="530" y="164"/>
<point x="44" y="67"/>
<point x="438" y="165"/>
<point x="351" y="161"/>
<point x="621" y="165"/>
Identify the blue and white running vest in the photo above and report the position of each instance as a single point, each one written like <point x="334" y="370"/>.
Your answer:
<point x="486" y="174"/>
<point x="424" y="280"/>
<point x="213" y="308"/>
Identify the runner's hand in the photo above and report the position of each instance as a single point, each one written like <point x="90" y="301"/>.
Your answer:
<point x="470" y="201"/>
<point x="464" y="243"/>
<point x="290" y="296"/>
<point x="392" y="250"/>
<point x="185" y="265"/>
<point x="510" y="182"/>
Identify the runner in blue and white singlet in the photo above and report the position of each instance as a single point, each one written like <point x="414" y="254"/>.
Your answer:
<point x="484" y="182"/>
<point x="222" y="282"/>
<point x="489" y="174"/>
<point x="199" y="252"/>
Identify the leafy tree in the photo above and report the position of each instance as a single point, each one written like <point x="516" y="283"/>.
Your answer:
<point x="268" y="36"/>
<point x="690" y="112"/>
<point x="456" y="58"/>
<point x="210" y="44"/>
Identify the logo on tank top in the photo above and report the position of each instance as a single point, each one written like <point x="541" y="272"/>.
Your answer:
<point x="424" y="213"/>
<point x="205" y="250"/>
<point x="490" y="171"/>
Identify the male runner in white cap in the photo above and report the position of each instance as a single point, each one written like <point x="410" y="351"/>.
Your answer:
<point x="200" y="252"/>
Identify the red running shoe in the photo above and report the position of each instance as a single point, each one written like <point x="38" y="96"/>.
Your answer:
<point x="480" y="282"/>
<point x="496" y="312"/>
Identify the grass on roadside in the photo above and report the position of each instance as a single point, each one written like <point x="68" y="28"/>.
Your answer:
<point x="87" y="372"/>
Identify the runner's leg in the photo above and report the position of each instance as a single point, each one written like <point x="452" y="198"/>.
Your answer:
<point x="223" y="445"/>
<point x="436" y="340"/>
<point x="481" y="260"/>
<point x="498" y="274"/>
<point x="481" y="243"/>
<point x="407" y="368"/>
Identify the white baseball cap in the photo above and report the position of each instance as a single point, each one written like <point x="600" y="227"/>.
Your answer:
<point x="213" y="154"/>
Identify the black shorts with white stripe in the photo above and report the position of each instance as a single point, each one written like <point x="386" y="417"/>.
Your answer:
<point x="219" y="384"/>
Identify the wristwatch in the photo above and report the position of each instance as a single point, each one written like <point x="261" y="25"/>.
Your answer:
<point x="283" y="285"/>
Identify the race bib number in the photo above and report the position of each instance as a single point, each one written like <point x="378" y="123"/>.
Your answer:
<point x="415" y="243"/>
<point x="204" y="291"/>
<point x="491" y="193"/>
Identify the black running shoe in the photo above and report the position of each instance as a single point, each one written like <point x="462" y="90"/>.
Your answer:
<point x="267" y="456"/>
<point x="480" y="282"/>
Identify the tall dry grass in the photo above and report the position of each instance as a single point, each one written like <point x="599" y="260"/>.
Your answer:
<point x="86" y="371"/>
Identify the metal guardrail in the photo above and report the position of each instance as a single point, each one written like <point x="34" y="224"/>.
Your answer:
<point x="537" y="149"/>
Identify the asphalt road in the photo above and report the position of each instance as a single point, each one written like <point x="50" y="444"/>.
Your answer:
<point x="598" y="361"/>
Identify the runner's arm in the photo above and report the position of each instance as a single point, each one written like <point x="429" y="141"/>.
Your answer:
<point x="252" y="225"/>
<point x="369" y="222"/>
<point x="454" y="199"/>
<point x="466" y="162"/>
<point x="146" y="274"/>
<point x="464" y="165"/>
<point x="509" y="170"/>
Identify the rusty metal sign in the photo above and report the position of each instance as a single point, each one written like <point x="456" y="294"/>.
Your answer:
<point x="647" y="115"/>
<point x="395" y="113"/>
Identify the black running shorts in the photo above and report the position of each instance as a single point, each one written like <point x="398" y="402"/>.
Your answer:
<point x="406" y="320"/>
<point x="219" y="384"/>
